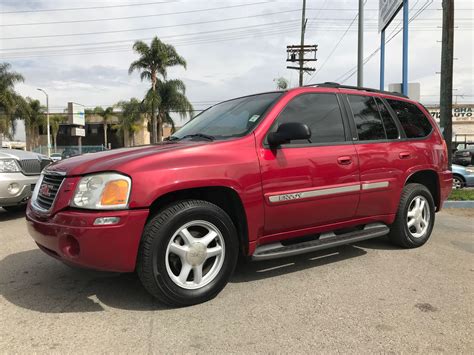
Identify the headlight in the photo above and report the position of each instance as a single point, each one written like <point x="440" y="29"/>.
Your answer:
<point x="102" y="192"/>
<point x="9" y="166"/>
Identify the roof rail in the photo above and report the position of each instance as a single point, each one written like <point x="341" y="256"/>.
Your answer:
<point x="329" y="84"/>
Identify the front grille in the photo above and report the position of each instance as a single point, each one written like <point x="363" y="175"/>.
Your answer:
<point x="48" y="190"/>
<point x="30" y="166"/>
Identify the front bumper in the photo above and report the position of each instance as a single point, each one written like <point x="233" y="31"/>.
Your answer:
<point x="25" y="183"/>
<point x="72" y="237"/>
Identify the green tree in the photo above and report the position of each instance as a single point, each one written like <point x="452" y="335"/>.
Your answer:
<point x="54" y="122"/>
<point x="172" y="94"/>
<point x="130" y="118"/>
<point x="281" y="83"/>
<point x="34" y="119"/>
<point x="153" y="63"/>
<point x="106" y="116"/>
<point x="11" y="104"/>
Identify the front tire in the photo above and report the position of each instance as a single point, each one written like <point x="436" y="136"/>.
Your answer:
<point x="188" y="253"/>
<point x="415" y="217"/>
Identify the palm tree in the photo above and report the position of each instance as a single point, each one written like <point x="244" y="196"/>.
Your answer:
<point x="130" y="118"/>
<point x="153" y="62"/>
<point x="55" y="121"/>
<point x="10" y="102"/>
<point x="106" y="116"/>
<point x="172" y="99"/>
<point x="34" y="119"/>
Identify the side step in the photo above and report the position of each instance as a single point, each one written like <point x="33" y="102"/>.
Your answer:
<point x="325" y="241"/>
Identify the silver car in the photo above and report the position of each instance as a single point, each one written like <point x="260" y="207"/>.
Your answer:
<point x="19" y="172"/>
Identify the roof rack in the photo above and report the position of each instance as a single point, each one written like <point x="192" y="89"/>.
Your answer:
<point x="329" y="84"/>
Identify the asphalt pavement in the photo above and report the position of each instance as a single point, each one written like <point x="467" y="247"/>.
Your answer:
<point x="368" y="297"/>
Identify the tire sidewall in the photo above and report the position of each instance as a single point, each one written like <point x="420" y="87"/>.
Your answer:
<point x="223" y="223"/>
<point x="419" y="191"/>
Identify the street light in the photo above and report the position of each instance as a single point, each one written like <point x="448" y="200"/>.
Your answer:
<point x="47" y="121"/>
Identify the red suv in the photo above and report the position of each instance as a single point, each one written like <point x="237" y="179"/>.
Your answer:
<point x="267" y="175"/>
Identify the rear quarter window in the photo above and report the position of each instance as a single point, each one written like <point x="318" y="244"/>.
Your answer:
<point x="413" y="120"/>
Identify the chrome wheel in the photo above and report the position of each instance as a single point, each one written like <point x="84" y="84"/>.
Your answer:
<point x="195" y="254"/>
<point x="418" y="216"/>
<point x="457" y="183"/>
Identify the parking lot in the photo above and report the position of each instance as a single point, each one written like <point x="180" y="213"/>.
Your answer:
<point x="369" y="297"/>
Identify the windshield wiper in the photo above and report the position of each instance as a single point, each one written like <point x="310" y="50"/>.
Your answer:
<point x="199" y="135"/>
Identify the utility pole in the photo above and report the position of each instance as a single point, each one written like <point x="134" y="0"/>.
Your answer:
<point x="303" y="27"/>
<point x="446" y="92"/>
<point x="47" y="121"/>
<point x="296" y="53"/>
<point x="360" y="46"/>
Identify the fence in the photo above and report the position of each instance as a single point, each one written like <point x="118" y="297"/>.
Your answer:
<point x="70" y="150"/>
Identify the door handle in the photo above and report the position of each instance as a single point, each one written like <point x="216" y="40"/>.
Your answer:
<point x="345" y="160"/>
<point x="405" y="155"/>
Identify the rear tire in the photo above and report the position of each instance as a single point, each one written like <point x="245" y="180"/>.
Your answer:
<point x="415" y="217"/>
<point x="188" y="253"/>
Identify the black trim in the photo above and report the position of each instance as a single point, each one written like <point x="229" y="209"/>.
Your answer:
<point x="361" y="88"/>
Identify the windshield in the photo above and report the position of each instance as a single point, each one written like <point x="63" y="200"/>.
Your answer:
<point x="233" y="118"/>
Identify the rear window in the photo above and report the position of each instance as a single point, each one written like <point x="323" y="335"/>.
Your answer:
<point x="413" y="120"/>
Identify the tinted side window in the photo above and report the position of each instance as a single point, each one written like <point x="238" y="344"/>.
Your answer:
<point x="366" y="117"/>
<point x="414" y="122"/>
<point x="320" y="112"/>
<point x="390" y="127"/>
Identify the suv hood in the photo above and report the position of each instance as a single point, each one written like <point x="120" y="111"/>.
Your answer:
<point x="116" y="159"/>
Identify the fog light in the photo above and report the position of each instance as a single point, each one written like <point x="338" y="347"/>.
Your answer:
<point x="13" y="188"/>
<point x="102" y="221"/>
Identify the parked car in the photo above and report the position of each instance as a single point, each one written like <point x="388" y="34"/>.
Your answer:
<point x="69" y="152"/>
<point x="19" y="172"/>
<point x="462" y="176"/>
<point x="267" y="175"/>
<point x="464" y="157"/>
<point x="56" y="156"/>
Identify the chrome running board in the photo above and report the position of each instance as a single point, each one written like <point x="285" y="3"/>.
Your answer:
<point x="325" y="241"/>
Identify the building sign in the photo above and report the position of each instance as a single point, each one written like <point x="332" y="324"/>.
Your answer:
<point x="461" y="113"/>
<point x="387" y="11"/>
<point x="78" y="132"/>
<point x="76" y="114"/>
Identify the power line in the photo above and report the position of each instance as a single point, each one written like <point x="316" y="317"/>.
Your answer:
<point x="128" y="48"/>
<point x="136" y="39"/>
<point x="335" y="47"/>
<point x="352" y="71"/>
<point x="87" y="8"/>
<point x="144" y="28"/>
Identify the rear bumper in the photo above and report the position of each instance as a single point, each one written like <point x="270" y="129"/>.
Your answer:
<point x="445" y="186"/>
<point x="72" y="237"/>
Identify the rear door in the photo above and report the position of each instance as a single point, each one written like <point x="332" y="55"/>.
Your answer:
<point x="315" y="182"/>
<point x="383" y="155"/>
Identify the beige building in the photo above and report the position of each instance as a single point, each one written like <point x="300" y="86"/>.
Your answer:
<point x="463" y="121"/>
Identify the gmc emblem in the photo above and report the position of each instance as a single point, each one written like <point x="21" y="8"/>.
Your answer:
<point x="44" y="190"/>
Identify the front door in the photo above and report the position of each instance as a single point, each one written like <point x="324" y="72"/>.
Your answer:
<point x="315" y="182"/>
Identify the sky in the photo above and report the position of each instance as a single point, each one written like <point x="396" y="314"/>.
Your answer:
<point x="80" y="51"/>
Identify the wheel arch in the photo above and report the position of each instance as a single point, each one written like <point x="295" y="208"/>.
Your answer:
<point x="223" y="196"/>
<point x="430" y="179"/>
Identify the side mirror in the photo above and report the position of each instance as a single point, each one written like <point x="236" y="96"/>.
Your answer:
<point x="287" y="132"/>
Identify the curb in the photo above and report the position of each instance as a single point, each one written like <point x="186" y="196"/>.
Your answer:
<point x="458" y="204"/>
